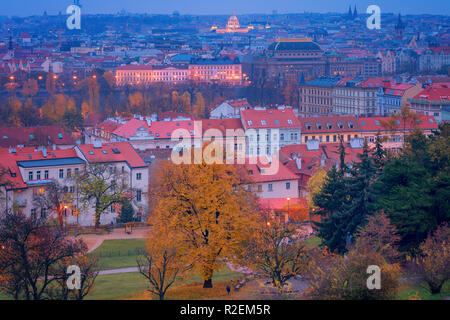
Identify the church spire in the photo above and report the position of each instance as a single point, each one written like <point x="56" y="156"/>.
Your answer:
<point x="355" y="13"/>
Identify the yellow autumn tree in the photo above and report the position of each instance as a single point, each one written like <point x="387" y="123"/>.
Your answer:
<point x="314" y="186"/>
<point x="86" y="109"/>
<point x="199" y="107"/>
<point x="175" y="100"/>
<point x="30" y="88"/>
<point x="135" y="102"/>
<point x="207" y="210"/>
<point x="186" y="102"/>
<point x="56" y="106"/>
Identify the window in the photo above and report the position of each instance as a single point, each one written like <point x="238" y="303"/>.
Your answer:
<point x="339" y="124"/>
<point x="306" y="139"/>
<point x="329" y="126"/>
<point x="76" y="171"/>
<point x="138" y="195"/>
<point x="61" y="173"/>
<point x="319" y="125"/>
<point x="33" y="213"/>
<point x="38" y="175"/>
<point x="334" y="138"/>
<point x="350" y="125"/>
<point x="43" y="213"/>
<point x="282" y="136"/>
<point x="69" y="173"/>
<point x="260" y="188"/>
<point x="288" y="185"/>
<point x="270" y="187"/>
<point x="46" y="174"/>
<point x="138" y="176"/>
<point x="277" y="122"/>
<point x="328" y="138"/>
<point x="308" y="126"/>
<point x="250" y="123"/>
<point x="290" y="121"/>
<point x="263" y="122"/>
<point x="30" y="175"/>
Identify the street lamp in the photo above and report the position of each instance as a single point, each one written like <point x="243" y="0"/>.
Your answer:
<point x="289" y="211"/>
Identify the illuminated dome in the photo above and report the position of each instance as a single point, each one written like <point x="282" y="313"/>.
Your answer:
<point x="233" y="22"/>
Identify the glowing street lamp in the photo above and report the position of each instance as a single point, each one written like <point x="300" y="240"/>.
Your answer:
<point x="289" y="211"/>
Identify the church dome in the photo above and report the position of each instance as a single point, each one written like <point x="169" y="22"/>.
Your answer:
<point x="233" y="22"/>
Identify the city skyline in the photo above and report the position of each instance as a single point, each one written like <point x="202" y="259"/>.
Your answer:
<point x="203" y="7"/>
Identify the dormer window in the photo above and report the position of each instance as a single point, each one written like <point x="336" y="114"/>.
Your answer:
<point x="250" y="123"/>
<point x="340" y="125"/>
<point x="319" y="125"/>
<point x="397" y="122"/>
<point x="329" y="126"/>
<point x="363" y="122"/>
<point x="308" y="126"/>
<point x="290" y="121"/>
<point x="60" y="136"/>
<point x="263" y="122"/>
<point x="377" y="122"/>
<point x="350" y="124"/>
<point x="276" y="122"/>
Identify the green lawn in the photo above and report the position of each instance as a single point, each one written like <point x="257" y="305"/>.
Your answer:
<point x="115" y="254"/>
<point x="117" y="286"/>
<point x="132" y="285"/>
<point x="419" y="290"/>
<point x="312" y="241"/>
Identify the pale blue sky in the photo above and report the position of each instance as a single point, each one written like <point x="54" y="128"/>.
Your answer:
<point x="31" y="7"/>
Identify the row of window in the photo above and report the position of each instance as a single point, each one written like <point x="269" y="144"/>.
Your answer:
<point x="270" y="187"/>
<point x="327" y="138"/>
<point x="46" y="175"/>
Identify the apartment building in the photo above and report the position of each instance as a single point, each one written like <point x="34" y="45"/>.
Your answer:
<point x="268" y="130"/>
<point x="28" y="173"/>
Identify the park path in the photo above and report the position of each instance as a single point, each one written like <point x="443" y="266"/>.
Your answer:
<point x="93" y="241"/>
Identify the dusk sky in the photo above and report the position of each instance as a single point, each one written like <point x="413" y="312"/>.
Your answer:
<point x="37" y="7"/>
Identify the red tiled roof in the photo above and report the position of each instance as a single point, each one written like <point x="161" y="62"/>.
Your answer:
<point x="375" y="124"/>
<point x="34" y="136"/>
<point x="269" y="118"/>
<point x="260" y="172"/>
<point x="9" y="163"/>
<point x="238" y="103"/>
<point x="106" y="154"/>
<point x="436" y="92"/>
<point x="221" y="124"/>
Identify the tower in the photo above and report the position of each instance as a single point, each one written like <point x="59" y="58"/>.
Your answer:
<point x="355" y="13"/>
<point x="400" y="27"/>
<point x="350" y="15"/>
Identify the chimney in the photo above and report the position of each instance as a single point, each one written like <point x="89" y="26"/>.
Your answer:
<point x="12" y="150"/>
<point x="44" y="152"/>
<point x="298" y="162"/>
<point x="54" y="147"/>
<point x="322" y="160"/>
